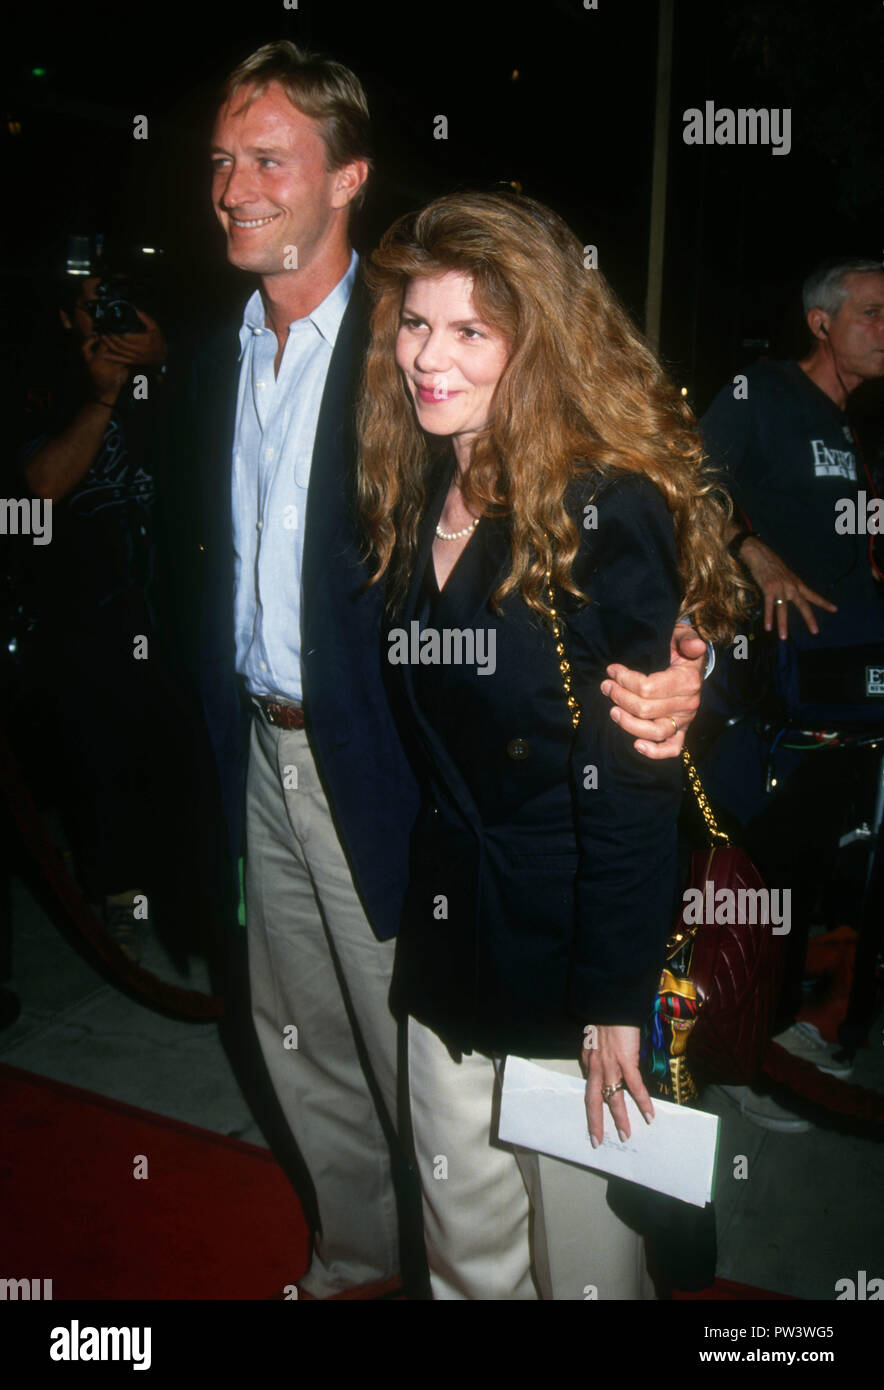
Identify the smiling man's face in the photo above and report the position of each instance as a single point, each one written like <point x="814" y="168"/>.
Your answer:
<point x="271" y="187"/>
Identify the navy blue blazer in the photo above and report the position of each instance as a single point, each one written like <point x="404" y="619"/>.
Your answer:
<point x="543" y="864"/>
<point x="371" y="788"/>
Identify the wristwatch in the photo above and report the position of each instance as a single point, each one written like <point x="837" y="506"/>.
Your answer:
<point x="735" y="545"/>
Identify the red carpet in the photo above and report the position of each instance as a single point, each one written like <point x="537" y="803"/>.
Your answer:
<point x="215" y="1218"/>
<point x="727" y="1290"/>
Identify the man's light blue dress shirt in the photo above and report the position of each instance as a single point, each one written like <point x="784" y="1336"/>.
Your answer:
<point x="275" y="431"/>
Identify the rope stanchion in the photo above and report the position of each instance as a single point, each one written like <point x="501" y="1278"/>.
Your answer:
<point x="838" y="1097"/>
<point x="148" y="989"/>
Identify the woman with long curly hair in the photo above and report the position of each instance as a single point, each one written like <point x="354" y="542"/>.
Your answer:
<point x="535" y="498"/>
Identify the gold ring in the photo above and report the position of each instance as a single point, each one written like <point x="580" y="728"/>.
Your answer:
<point x="780" y="600"/>
<point x="609" y="1091"/>
<point x="673" y="722"/>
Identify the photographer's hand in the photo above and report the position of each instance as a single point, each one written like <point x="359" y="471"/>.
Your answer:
<point x="138" y="349"/>
<point x="60" y="464"/>
<point x="108" y="375"/>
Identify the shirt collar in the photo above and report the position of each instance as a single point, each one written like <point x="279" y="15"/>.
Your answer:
<point x="326" y="317"/>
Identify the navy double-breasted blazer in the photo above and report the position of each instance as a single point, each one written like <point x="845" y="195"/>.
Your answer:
<point x="371" y="788"/>
<point x="543" y="862"/>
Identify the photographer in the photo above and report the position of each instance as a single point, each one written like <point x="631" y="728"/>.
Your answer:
<point x="90" y="437"/>
<point x="90" y="449"/>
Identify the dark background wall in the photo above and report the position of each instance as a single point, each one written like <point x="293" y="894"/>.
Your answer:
<point x="554" y="96"/>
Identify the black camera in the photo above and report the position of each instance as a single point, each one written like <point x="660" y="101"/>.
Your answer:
<point x="113" y="308"/>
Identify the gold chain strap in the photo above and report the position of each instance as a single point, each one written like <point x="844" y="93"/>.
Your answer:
<point x="564" y="663"/>
<point x="702" y="799"/>
<point x="574" y="707"/>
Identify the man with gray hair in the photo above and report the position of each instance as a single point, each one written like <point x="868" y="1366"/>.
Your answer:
<point x="803" y="500"/>
<point x="782" y="435"/>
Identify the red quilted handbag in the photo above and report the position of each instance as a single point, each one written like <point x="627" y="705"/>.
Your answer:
<point x="734" y="966"/>
<point x="719" y="989"/>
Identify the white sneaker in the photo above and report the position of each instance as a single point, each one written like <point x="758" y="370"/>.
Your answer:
<point x="764" y="1111"/>
<point x="804" y="1040"/>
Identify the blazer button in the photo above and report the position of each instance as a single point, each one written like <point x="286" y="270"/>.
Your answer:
<point x="518" y="749"/>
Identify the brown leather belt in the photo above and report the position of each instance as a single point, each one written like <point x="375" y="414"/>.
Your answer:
<point x="281" y="716"/>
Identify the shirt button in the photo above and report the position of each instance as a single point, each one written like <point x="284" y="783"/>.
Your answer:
<point x="263" y="665"/>
<point x="268" y="453"/>
<point x="518" y="749"/>
<point x="260" y="525"/>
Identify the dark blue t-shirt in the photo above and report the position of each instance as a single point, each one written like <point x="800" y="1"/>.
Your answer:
<point x="789" y="456"/>
<point x="102" y="545"/>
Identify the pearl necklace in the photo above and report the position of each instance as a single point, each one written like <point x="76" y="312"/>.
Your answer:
<point x="457" y="535"/>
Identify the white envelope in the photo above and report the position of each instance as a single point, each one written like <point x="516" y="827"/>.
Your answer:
<point x="675" y="1154"/>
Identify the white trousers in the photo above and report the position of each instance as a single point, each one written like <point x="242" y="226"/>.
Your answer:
<point x="501" y="1223"/>
<point x="319" y="981"/>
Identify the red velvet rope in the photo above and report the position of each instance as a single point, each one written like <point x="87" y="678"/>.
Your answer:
<point x="148" y="989"/>
<point x="806" y="1080"/>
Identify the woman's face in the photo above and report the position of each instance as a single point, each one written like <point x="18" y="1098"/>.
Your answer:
<point x="451" y="360"/>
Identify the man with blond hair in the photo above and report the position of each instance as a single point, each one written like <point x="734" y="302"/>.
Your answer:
<point x="330" y="798"/>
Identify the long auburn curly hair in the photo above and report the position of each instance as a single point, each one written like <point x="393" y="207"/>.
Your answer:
<point x="581" y="396"/>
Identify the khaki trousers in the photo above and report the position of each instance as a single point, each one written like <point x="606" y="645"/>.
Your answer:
<point x="501" y="1223"/>
<point x="319" y="981"/>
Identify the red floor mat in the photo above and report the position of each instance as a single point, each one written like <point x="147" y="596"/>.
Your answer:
<point x="215" y="1218"/>
<point x="734" y="1293"/>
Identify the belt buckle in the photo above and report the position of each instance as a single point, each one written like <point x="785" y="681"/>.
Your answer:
<point x="265" y="705"/>
<point x="275" y="711"/>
